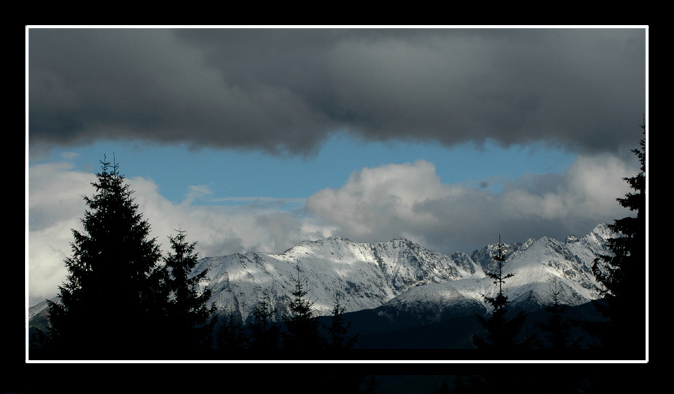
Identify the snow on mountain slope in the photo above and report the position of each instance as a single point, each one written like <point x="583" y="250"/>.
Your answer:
<point x="364" y="275"/>
<point x="404" y="275"/>
<point x="539" y="267"/>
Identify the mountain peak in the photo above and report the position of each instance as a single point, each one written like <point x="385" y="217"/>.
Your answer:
<point x="335" y="238"/>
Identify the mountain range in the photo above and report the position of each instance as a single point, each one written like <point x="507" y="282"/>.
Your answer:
<point x="397" y="287"/>
<point x="404" y="276"/>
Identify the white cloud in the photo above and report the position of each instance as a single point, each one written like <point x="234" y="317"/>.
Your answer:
<point x="376" y="201"/>
<point x="55" y="205"/>
<point x="410" y="200"/>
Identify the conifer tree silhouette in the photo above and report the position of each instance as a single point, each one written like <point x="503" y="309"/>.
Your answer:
<point x="623" y="274"/>
<point x="104" y="308"/>
<point x="501" y="331"/>
<point x="187" y="316"/>
<point x="556" y="328"/>
<point x="301" y="325"/>
<point x="338" y="329"/>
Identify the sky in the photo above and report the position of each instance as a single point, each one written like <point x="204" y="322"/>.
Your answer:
<point x="253" y="139"/>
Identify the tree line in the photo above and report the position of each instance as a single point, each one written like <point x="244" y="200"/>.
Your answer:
<point x="300" y="333"/>
<point x="123" y="299"/>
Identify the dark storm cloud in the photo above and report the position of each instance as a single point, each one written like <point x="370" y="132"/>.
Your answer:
<point x="285" y="90"/>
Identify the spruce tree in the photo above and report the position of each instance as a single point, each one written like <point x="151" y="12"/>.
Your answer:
<point x="301" y="333"/>
<point x="338" y="329"/>
<point x="623" y="274"/>
<point x="187" y="314"/>
<point x="105" y="307"/>
<point x="501" y="331"/>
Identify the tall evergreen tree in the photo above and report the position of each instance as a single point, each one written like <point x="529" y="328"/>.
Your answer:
<point x="187" y="314"/>
<point x="501" y="331"/>
<point x="104" y="308"/>
<point x="623" y="274"/>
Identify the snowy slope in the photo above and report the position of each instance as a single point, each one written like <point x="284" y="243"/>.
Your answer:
<point x="541" y="268"/>
<point x="404" y="275"/>
<point x="364" y="275"/>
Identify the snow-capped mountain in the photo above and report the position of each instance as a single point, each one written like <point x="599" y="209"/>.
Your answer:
<point x="542" y="269"/>
<point x="399" y="294"/>
<point x="400" y="275"/>
<point x="364" y="275"/>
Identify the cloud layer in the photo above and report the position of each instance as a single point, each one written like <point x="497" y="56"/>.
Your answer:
<point x="286" y="90"/>
<point x="409" y="200"/>
<point x="374" y="204"/>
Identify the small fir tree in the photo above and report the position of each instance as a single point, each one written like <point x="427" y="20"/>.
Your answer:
<point x="556" y="328"/>
<point x="301" y="332"/>
<point x="187" y="313"/>
<point x="501" y="331"/>
<point x="338" y="329"/>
